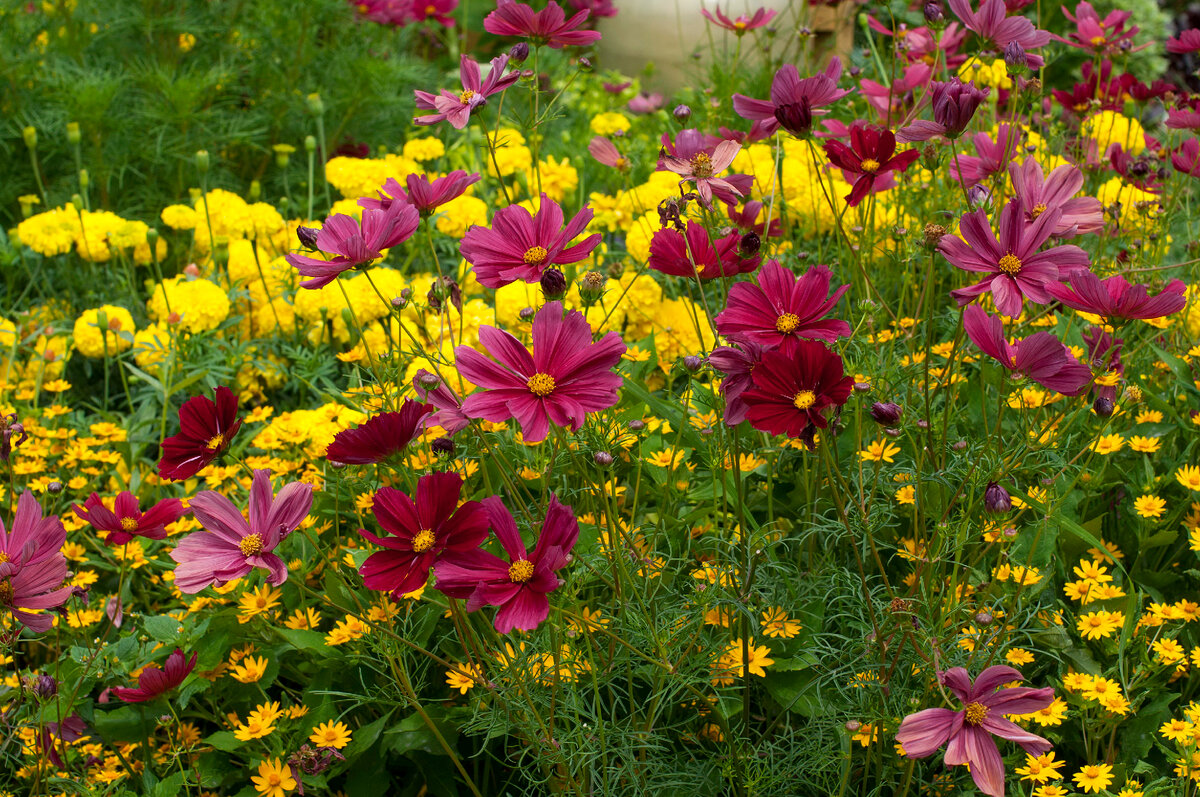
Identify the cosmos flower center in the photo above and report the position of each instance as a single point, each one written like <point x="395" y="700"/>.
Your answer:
<point x="6" y="591"/>
<point x="129" y="524"/>
<point x="215" y="442"/>
<point x="429" y="10"/>
<point x="542" y="385"/>
<point x="520" y="571"/>
<point x="1038" y="210"/>
<point x="804" y="399"/>
<point x="423" y="541"/>
<point x="251" y="544"/>
<point x="976" y="713"/>
<point x="702" y="165"/>
<point x="870" y="165"/>
<point x="536" y="256"/>
<point x="1010" y="264"/>
<point x="4" y="557"/>
<point x="739" y="25"/>
<point x="466" y="96"/>
<point x="787" y="323"/>
<point x="1097" y="41"/>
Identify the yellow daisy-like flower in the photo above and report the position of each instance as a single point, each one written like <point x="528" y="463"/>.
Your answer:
<point x="879" y="451"/>
<point x="1093" y="777"/>
<point x="1018" y="657"/>
<point x="1101" y="624"/>
<point x="463" y="678"/>
<point x="1108" y="444"/>
<point x="330" y="734"/>
<point x="1189" y="477"/>
<point x="1146" y="445"/>
<point x="907" y="495"/>
<point x="1178" y="731"/>
<point x="1041" y="768"/>
<point x="274" y="779"/>
<point x="1149" y="506"/>
<point x="251" y="670"/>
<point x="776" y="623"/>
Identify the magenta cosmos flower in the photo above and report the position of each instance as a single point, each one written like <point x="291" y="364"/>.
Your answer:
<point x="520" y="245"/>
<point x="422" y="194"/>
<point x="381" y="437"/>
<point x="1188" y="41"/>
<point x="1038" y="194"/>
<point x="1100" y="36"/>
<point x="32" y="566"/>
<point x="433" y="390"/>
<point x="229" y="547"/>
<point x="759" y="19"/>
<point x="1015" y="269"/>
<point x="457" y="108"/>
<point x="420" y="532"/>
<point x="125" y="520"/>
<point x="1041" y="356"/>
<point x="1186" y="159"/>
<point x="519" y="586"/>
<point x="1116" y="300"/>
<point x="968" y="733"/>
<point x="565" y="378"/>
<point x="954" y="104"/>
<point x="792" y="388"/>
<point x="671" y="254"/>
<point x="548" y="26"/>
<point x="992" y="23"/>
<point x="737" y="363"/>
<point x="783" y="306"/>
<point x="794" y="100"/>
<point x="206" y="429"/>
<point x="871" y="155"/>
<point x="606" y="153"/>
<point x="993" y="155"/>
<point x="703" y="170"/>
<point x="353" y="245"/>
<point x="156" y="680"/>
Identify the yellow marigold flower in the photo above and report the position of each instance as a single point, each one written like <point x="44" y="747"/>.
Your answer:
<point x="250" y="670"/>
<point x="274" y="779"/>
<point x="330" y="734"/>
<point x="104" y="331"/>
<point x="1101" y="624"/>
<point x="1189" y="477"/>
<point x="424" y="149"/>
<point x="879" y="451"/>
<point x="607" y="124"/>
<point x="1111" y="127"/>
<point x="1093" y="777"/>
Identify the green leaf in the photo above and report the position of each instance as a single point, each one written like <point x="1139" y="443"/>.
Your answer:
<point x="162" y="628"/>
<point x="795" y="691"/>
<point x="304" y="639"/>
<point x="169" y="786"/>
<point x="224" y="741"/>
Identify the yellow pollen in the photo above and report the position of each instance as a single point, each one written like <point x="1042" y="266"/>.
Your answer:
<point x="215" y="443"/>
<point x="251" y="544"/>
<point x="6" y="591"/>
<point x="702" y="165"/>
<point x="1038" y="210"/>
<point x="520" y="571"/>
<point x="1097" y="41"/>
<point x="542" y="385"/>
<point x="466" y="96"/>
<point x="804" y="399"/>
<point x="976" y="713"/>
<point x="787" y="323"/>
<point x="536" y="256"/>
<point x="1010" y="264"/>
<point x="4" y="557"/>
<point x="423" y="541"/>
<point x="739" y="25"/>
<point x="128" y="524"/>
<point x="870" y="165"/>
<point x="429" y="10"/>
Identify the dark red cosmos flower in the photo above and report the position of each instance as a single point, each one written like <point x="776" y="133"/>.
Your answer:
<point x="422" y="194"/>
<point x="1188" y="41"/>
<point x="1185" y="116"/>
<point x="126" y="521"/>
<point x="746" y="219"/>
<point x="1186" y="159"/>
<point x="737" y="363"/>
<point x="954" y="103"/>
<point x="761" y="18"/>
<point x="380" y="437"/>
<point x="437" y="10"/>
<point x="872" y="153"/>
<point x="1116" y="300"/>
<point x="794" y="100"/>
<point x="783" y="306"/>
<point x="669" y="253"/>
<point x="206" y="429"/>
<point x="353" y="244"/>
<point x="1041" y="356"/>
<point x="520" y="245"/>
<point x="156" y="680"/>
<point x="548" y="26"/>
<point x="420" y="532"/>
<point x="793" y="388"/>
<point x="1099" y="86"/>
<point x="456" y="108"/>
<point x="519" y="586"/>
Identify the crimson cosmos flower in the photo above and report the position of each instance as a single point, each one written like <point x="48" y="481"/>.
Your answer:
<point x="126" y="521"/>
<point x="783" y="306"/>
<point x="761" y="18"/>
<point x="992" y="22"/>
<point x="1038" y="194"/>
<point x="1041" y="356"/>
<point x="1116" y="300"/>
<point x="355" y="245"/>
<point x="228" y="546"/>
<point x="954" y="103"/>
<point x="420" y="532"/>
<point x="565" y="378"/>
<point x="794" y="100"/>
<point x="457" y="108"/>
<point x="32" y="566"/>
<point x="737" y="362"/>
<point x="380" y="436"/>
<point x="156" y="680"/>
<point x="520" y="585"/>
<point x="548" y="26"/>
<point x="422" y="194"/>
<point x="669" y="253"/>
<point x="1186" y="159"/>
<point x="206" y="429"/>
<point x="793" y="387"/>
<point x="872" y="153"/>
<point x="1188" y="41"/>
<point x="746" y="219"/>
<point x="520" y="245"/>
<point x="1015" y="269"/>
<point x="433" y="390"/>
<point x="968" y="733"/>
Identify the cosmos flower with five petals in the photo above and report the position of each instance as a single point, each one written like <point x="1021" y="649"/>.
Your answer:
<point x="520" y="245"/>
<point x="1040" y="357"/>
<point x="792" y="388"/>
<point x="206" y="429"/>
<point x="743" y="23"/>
<point x="423" y="194"/>
<point x="794" y="100"/>
<point x="126" y="521"/>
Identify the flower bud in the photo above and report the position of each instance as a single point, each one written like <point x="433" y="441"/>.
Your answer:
<point x="591" y="287"/>
<point x="526" y="314"/>
<point x="85" y="179"/>
<point x="554" y="284"/>
<point x="54" y="488"/>
<point x="310" y="143"/>
<point x="935" y="15"/>
<point x="1015" y="60"/>
<point x="255" y="190"/>
<point x="30" y="136"/>
<point x="996" y="499"/>
<point x="518" y="53"/>
<point x="308" y="237"/>
<point x="979" y="195"/>
<point x="959" y="445"/>
<point x="637" y="425"/>
<point x="886" y="413"/>
<point x="585" y="63"/>
<point x="984" y="618"/>
<point x="853" y="726"/>
<point x="693" y="363"/>
<point x="749" y="245"/>
<point x="682" y="113"/>
<point x="603" y="458"/>
<point x="315" y="106"/>
<point x="74" y="136"/>
<point x="443" y="447"/>
<point x="932" y="236"/>
<point x="401" y="301"/>
<point x="1103" y="406"/>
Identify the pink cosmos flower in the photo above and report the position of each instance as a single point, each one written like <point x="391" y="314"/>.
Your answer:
<point x="992" y="22"/>
<point x="32" y="566"/>
<point x="206" y="428"/>
<point x="156" y="680"/>
<point x="1186" y="159"/>
<point x="433" y="390"/>
<point x="1188" y="41"/>
<point x="669" y="254"/>
<point x="605" y="152"/>
<point x="1098" y="35"/>
<point x="548" y="26"/>
<point x="422" y="194"/>
<point x="894" y="101"/>
<point x="1185" y="116"/>
<point x="520" y="245"/>
<point x="1041" y="356"/>
<point x="792" y="388"/>
<point x="923" y="45"/>
<point x="1037" y="195"/>
<point x="229" y="547"/>
<point x="968" y="733"/>
<point x="703" y="168"/>
<point x="437" y="10"/>
<point x="871" y="157"/>
<point x="1116" y="300"/>
<point x="420" y="532"/>
<point x="794" y="100"/>
<point x="993" y="156"/>
<point x="126" y="521"/>
<point x="565" y="378"/>
<point x="737" y="362"/>
<point x="1015" y="269"/>
<point x="783" y="306"/>
<point x="519" y="586"/>
<point x="761" y="18"/>
<point x="353" y="245"/>
<point x="457" y="108"/>
<point x="646" y="103"/>
<point x="381" y="437"/>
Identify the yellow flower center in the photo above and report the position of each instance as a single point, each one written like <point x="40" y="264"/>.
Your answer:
<point x="542" y="385"/>
<point x="423" y="541"/>
<point x="1097" y="41"/>
<point x="128" y="524"/>
<point x="274" y="780"/>
<point x="787" y="323"/>
<point x="536" y="256"/>
<point x="216" y="442"/>
<point x="702" y="165"/>
<point x="466" y="96"/>
<point x="6" y="592"/>
<point x="520" y="571"/>
<point x="4" y="557"/>
<point x="804" y="399"/>
<point x="1010" y="264"/>
<point x="1038" y="210"/>
<point x="251" y="544"/>
<point x="429" y="10"/>
<point x="739" y="25"/>
<point x="870" y="165"/>
<point x="976" y="713"/>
